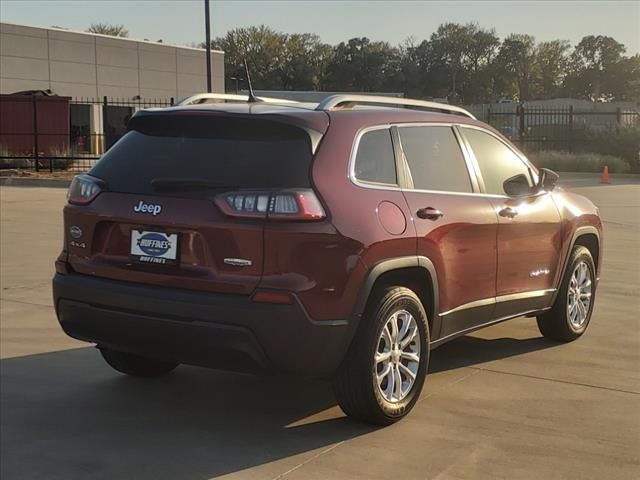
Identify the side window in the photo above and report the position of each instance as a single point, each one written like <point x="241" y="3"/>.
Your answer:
<point x="435" y="159"/>
<point x="497" y="162"/>
<point x="375" y="161"/>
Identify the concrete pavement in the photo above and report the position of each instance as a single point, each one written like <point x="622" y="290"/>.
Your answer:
<point x="501" y="403"/>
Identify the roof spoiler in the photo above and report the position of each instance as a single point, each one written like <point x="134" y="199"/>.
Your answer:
<point x="336" y="102"/>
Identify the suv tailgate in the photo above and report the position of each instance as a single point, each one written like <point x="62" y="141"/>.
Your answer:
<point x="214" y="252"/>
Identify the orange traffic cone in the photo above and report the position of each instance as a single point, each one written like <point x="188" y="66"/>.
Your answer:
<point x="605" y="175"/>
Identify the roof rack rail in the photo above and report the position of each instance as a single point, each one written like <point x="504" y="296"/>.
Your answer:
<point x="226" y="97"/>
<point x="335" y="102"/>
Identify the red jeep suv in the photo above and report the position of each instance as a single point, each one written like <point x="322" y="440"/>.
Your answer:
<point x="342" y="240"/>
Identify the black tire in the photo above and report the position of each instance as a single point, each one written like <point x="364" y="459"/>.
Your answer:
<point x="355" y="384"/>
<point x="555" y="324"/>
<point x="135" y="365"/>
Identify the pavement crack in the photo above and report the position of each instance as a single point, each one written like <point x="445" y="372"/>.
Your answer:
<point x="319" y="454"/>
<point x="535" y="377"/>
<point x="474" y="371"/>
<point x="25" y="303"/>
<point x="332" y="447"/>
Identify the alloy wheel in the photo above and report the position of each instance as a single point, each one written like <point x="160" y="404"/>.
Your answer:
<point x="579" y="295"/>
<point x="397" y="356"/>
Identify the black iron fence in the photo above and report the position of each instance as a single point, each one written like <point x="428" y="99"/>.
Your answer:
<point x="544" y="128"/>
<point x="76" y="139"/>
<point x="72" y="139"/>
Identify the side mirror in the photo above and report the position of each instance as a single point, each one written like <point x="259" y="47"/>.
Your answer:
<point x="547" y="179"/>
<point x="517" y="186"/>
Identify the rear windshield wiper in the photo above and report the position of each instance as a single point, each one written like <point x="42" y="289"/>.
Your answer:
<point x="170" y="183"/>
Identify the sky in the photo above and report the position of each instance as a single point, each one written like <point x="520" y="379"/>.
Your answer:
<point x="181" y="21"/>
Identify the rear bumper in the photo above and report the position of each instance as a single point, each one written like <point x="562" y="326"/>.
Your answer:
<point x="213" y="330"/>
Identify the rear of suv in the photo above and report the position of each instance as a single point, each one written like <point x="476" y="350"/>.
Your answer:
<point x="343" y="240"/>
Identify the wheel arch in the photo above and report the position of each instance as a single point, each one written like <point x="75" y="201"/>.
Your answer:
<point x="588" y="237"/>
<point x="414" y="272"/>
<point x="591" y="241"/>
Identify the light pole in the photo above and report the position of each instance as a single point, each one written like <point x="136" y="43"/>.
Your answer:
<point x="208" y="35"/>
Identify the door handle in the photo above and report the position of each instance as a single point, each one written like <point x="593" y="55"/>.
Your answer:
<point x="508" y="212"/>
<point x="429" y="213"/>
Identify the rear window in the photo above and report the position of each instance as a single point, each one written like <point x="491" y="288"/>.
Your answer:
<point x="247" y="153"/>
<point x="375" y="160"/>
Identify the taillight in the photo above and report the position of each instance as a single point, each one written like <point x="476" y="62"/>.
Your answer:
<point x="298" y="205"/>
<point x="83" y="189"/>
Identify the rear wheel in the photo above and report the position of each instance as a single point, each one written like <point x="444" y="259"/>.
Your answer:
<point x="570" y="315"/>
<point x="135" y="365"/>
<point x="382" y="375"/>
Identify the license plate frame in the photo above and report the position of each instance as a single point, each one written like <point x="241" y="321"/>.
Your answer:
<point x="154" y="247"/>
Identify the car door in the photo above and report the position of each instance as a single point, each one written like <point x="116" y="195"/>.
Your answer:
<point x="456" y="228"/>
<point x="529" y="229"/>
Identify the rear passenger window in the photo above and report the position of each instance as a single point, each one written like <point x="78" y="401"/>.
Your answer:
<point x="375" y="161"/>
<point x="435" y="159"/>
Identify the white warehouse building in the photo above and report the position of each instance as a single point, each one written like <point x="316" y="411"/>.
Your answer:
<point x="78" y="64"/>
<point x="130" y="74"/>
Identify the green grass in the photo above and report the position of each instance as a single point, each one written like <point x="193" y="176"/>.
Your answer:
<point x="579" y="162"/>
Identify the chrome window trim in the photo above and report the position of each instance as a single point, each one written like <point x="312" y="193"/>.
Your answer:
<point x="532" y="168"/>
<point x="499" y="299"/>
<point x="352" y="161"/>
<point x="473" y="180"/>
<point x="472" y="166"/>
<point x="396" y="188"/>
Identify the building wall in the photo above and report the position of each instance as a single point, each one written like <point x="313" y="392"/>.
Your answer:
<point x="87" y="65"/>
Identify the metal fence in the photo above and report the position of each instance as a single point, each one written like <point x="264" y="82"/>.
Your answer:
<point x="552" y="128"/>
<point x="93" y="126"/>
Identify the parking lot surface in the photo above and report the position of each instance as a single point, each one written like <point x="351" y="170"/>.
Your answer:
<point x="501" y="403"/>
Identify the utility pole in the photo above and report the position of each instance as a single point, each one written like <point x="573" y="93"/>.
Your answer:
<point x="207" y="25"/>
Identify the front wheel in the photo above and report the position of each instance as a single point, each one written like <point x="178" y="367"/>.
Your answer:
<point x="569" y="317"/>
<point x="382" y="375"/>
<point x="136" y="365"/>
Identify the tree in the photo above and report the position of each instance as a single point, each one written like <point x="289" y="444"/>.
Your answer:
<point x="462" y="54"/>
<point x="624" y="80"/>
<point x="108" y="29"/>
<point x="464" y="62"/>
<point x="593" y="62"/>
<point x="410" y="75"/>
<point x="516" y="60"/>
<point x="552" y="62"/>
<point x="362" y="65"/>
<point x="304" y="62"/>
<point x="481" y="51"/>
<point x="448" y="46"/>
<point x="263" y="49"/>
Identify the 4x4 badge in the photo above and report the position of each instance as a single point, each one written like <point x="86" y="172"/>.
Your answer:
<point x="147" y="208"/>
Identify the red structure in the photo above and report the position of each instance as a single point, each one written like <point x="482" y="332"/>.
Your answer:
<point x="30" y="122"/>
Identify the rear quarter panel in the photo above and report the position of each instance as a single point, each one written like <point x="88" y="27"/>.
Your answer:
<point x="326" y="263"/>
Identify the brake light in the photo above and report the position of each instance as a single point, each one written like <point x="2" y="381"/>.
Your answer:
<point x="298" y="205"/>
<point x="84" y="189"/>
